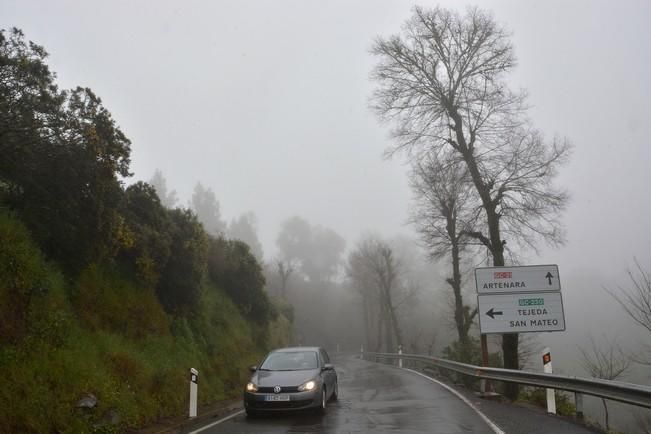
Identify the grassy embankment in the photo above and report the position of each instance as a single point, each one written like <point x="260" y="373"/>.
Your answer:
<point x="101" y="334"/>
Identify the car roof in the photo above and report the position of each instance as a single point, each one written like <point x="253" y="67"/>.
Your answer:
<point x="294" y="349"/>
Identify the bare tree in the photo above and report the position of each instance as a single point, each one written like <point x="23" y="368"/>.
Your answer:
<point x="316" y="250"/>
<point x="442" y="82"/>
<point x="608" y="362"/>
<point x="445" y="212"/>
<point x="373" y="265"/>
<point x="284" y="268"/>
<point x="636" y="299"/>
<point x="361" y="280"/>
<point x="636" y="302"/>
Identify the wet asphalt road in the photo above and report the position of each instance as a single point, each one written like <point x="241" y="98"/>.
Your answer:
<point x="373" y="399"/>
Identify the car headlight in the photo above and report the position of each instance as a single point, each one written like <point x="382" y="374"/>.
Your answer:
<point x="251" y="387"/>
<point x="310" y="385"/>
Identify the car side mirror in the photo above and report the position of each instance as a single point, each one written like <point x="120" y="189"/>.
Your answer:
<point x="328" y="367"/>
<point x="253" y="368"/>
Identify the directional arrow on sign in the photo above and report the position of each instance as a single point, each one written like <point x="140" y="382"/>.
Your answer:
<point x="507" y="280"/>
<point x="491" y="313"/>
<point x="540" y="311"/>
<point x="549" y="277"/>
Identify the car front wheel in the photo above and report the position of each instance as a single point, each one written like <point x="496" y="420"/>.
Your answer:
<point x="324" y="401"/>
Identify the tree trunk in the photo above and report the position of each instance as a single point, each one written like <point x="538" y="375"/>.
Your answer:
<point x="394" y="320"/>
<point x="367" y="324"/>
<point x="284" y="279"/>
<point x="388" y="335"/>
<point x="283" y="289"/>
<point x="510" y="340"/>
<point x="455" y="282"/>
<point x="380" y="324"/>
<point x="496" y="245"/>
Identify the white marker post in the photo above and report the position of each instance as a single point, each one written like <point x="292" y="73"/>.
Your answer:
<point x="547" y="369"/>
<point x="194" y="378"/>
<point x="361" y="352"/>
<point x="400" y="354"/>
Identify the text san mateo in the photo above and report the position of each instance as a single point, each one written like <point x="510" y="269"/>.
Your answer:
<point x="537" y="322"/>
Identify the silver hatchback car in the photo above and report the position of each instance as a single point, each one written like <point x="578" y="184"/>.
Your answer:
<point x="291" y="379"/>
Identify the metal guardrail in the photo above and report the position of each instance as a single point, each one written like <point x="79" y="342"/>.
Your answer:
<point x="615" y="390"/>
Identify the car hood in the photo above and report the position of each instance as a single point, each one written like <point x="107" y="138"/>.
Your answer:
<point x="283" y="378"/>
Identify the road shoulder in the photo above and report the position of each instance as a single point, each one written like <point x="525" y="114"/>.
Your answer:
<point x="514" y="418"/>
<point x="206" y="414"/>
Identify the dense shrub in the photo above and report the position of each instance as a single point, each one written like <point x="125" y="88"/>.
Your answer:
<point x="103" y="334"/>
<point x="27" y="286"/>
<point x="147" y="238"/>
<point x="538" y="397"/>
<point x="104" y="300"/>
<point x="233" y="267"/>
<point x="179" y="288"/>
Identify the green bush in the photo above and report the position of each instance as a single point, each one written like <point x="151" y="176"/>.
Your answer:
<point x="104" y="300"/>
<point x="25" y="279"/>
<point x="538" y="397"/>
<point x="103" y="334"/>
<point x="232" y="266"/>
<point x="284" y="308"/>
<point x="180" y="284"/>
<point x="147" y="236"/>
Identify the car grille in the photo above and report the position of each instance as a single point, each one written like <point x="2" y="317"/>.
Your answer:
<point x="280" y="404"/>
<point x="293" y="389"/>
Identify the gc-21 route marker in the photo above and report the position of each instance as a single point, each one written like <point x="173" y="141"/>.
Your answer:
<point x="494" y="280"/>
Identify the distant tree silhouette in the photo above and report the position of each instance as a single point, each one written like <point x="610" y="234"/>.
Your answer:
<point x="206" y="206"/>
<point x="167" y="197"/>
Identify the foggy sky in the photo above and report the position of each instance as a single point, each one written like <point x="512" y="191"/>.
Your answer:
<point x="266" y="102"/>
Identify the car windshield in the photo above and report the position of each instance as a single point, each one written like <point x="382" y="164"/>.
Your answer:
<point x="290" y="361"/>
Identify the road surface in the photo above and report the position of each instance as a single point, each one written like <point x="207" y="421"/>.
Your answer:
<point x="373" y="398"/>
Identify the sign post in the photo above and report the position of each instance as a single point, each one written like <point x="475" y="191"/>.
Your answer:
<point x="194" y="378"/>
<point x="547" y="369"/>
<point x="484" y="385"/>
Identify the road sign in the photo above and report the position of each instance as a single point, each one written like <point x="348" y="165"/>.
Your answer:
<point x="521" y="313"/>
<point x="501" y="280"/>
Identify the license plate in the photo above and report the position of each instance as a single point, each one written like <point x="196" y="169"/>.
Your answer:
<point x="276" y="398"/>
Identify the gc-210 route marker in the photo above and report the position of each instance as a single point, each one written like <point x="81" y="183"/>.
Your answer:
<point x="521" y="312"/>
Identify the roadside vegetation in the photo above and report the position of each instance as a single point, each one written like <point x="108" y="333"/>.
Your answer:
<point x="108" y="297"/>
<point x="538" y="397"/>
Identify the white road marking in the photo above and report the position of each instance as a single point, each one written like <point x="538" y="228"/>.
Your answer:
<point x="490" y="423"/>
<point x="224" y="419"/>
